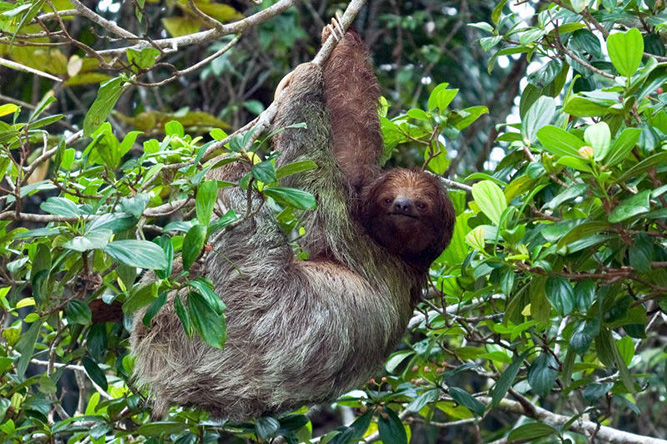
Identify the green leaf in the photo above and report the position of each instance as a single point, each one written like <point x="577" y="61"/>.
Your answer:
<point x="93" y="240"/>
<point x="26" y="345"/>
<point x="137" y="253"/>
<point x="295" y="167"/>
<point x="420" y="401"/>
<point x="159" y="428"/>
<point x="463" y="118"/>
<point x="354" y="432"/>
<point x="78" y="312"/>
<point x="622" y="146"/>
<point x="266" y="427"/>
<point x="467" y="400"/>
<point x="264" y="172"/>
<point x="490" y="199"/>
<point x="626" y="50"/>
<point x="391" y="428"/>
<point x="598" y="136"/>
<point x="144" y="58"/>
<point x="194" y="242"/>
<point x="542" y="374"/>
<point x="140" y="297"/>
<point x="61" y="207"/>
<point x="531" y="432"/>
<point x="205" y="288"/>
<point x="560" y="294"/>
<point x="183" y="315"/>
<point x="107" y="96"/>
<point x="497" y="11"/>
<point x="637" y="204"/>
<point x="292" y="197"/>
<point x="641" y="253"/>
<point x="546" y="74"/>
<point x="210" y="325"/>
<point x="8" y="108"/>
<point x="95" y="373"/>
<point x="441" y="97"/>
<point x="114" y="222"/>
<point x="207" y="194"/>
<point x="540" y="114"/>
<point x="559" y="142"/>
<point x="154" y="308"/>
<point x="503" y="384"/>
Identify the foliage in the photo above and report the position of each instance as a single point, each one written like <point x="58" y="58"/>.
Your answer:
<point x="548" y="302"/>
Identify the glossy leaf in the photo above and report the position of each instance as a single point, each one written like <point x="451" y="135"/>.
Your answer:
<point x="626" y="50"/>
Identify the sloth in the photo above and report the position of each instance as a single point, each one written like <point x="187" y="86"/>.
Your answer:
<point x="303" y="332"/>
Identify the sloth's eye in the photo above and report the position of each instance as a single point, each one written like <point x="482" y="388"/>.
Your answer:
<point x="387" y="200"/>
<point x="421" y="205"/>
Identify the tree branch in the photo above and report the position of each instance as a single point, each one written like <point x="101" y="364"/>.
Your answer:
<point x="174" y="43"/>
<point x="607" y="434"/>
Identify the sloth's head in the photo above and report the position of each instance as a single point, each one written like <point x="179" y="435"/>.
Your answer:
<point x="408" y="213"/>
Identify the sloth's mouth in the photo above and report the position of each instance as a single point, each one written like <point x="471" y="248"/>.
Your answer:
<point x="404" y="215"/>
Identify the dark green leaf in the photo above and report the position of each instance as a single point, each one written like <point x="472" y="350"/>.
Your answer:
<point x="210" y="325"/>
<point x="194" y="242"/>
<point x="159" y="428"/>
<point x="531" y="432"/>
<point x="26" y="345"/>
<point x="560" y="294"/>
<point x="266" y="426"/>
<point x="183" y="315"/>
<point x="391" y="428"/>
<point x="95" y="373"/>
<point x="542" y="374"/>
<point x="154" y="308"/>
<point x="205" y="288"/>
<point x="504" y="383"/>
<point x="633" y="206"/>
<point x="140" y="297"/>
<point x="107" y="96"/>
<point x="420" y="401"/>
<point x="467" y="400"/>
<point x="78" y="312"/>
<point x="264" y="172"/>
<point x="641" y="253"/>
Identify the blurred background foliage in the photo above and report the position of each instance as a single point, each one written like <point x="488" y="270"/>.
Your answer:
<point x="545" y="318"/>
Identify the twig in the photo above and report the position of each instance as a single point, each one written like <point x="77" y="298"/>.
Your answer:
<point x="173" y="44"/>
<point x="20" y="67"/>
<point x="194" y="67"/>
<point x="106" y="24"/>
<point x="606" y="434"/>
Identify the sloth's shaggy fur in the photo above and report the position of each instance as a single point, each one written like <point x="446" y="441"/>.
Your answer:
<point x="299" y="332"/>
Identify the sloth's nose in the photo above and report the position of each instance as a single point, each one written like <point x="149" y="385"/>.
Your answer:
<point x="403" y="205"/>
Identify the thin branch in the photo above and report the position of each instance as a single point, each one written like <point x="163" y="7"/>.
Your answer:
<point x="606" y="434"/>
<point x="173" y="44"/>
<point x="98" y="19"/>
<point x="20" y="67"/>
<point x="194" y="67"/>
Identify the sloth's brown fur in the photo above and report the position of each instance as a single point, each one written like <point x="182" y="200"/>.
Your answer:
<point x="303" y="332"/>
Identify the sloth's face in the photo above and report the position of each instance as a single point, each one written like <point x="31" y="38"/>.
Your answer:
<point x="408" y="212"/>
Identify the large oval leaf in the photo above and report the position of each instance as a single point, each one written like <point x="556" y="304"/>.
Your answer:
<point x="137" y="253"/>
